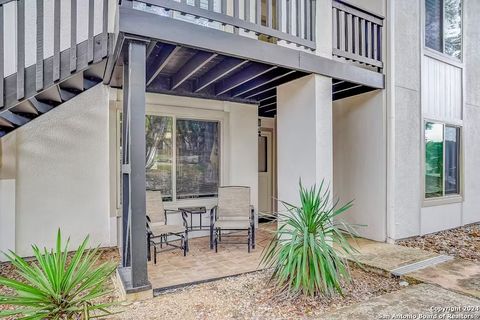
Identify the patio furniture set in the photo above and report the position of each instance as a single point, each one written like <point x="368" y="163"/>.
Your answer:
<point x="233" y="213"/>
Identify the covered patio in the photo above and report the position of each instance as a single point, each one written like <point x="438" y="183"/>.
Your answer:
<point x="233" y="74"/>
<point x="202" y="264"/>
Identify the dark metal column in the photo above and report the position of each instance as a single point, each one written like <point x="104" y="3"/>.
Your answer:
<point x="136" y="105"/>
<point x="134" y="259"/>
<point x="125" y="172"/>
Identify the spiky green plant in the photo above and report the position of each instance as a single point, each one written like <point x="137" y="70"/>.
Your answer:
<point x="308" y="251"/>
<point x="55" y="286"/>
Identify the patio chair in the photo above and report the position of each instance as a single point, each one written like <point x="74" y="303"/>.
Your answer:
<point x="159" y="232"/>
<point x="233" y="213"/>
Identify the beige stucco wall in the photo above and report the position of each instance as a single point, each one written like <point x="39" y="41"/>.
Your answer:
<point x="408" y="106"/>
<point x="359" y="161"/>
<point x="304" y="135"/>
<point x="403" y="118"/>
<point x="471" y="205"/>
<point x="61" y="174"/>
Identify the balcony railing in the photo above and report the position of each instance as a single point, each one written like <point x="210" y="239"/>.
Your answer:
<point x="292" y="21"/>
<point x="47" y="41"/>
<point x="357" y="34"/>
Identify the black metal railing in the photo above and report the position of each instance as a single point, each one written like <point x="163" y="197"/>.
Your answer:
<point x="357" y="34"/>
<point x="292" y="21"/>
<point x="47" y="49"/>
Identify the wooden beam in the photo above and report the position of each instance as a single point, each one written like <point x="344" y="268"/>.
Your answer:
<point x="242" y="77"/>
<point x="221" y="70"/>
<point x="199" y="60"/>
<point x="20" y="49"/>
<point x="262" y="80"/>
<point x="13" y="118"/>
<point x="56" y="40"/>
<point x="39" y="62"/>
<point x="73" y="35"/>
<point x="91" y="22"/>
<point x="166" y="53"/>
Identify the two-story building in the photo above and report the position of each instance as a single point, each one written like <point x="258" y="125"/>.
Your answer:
<point x="103" y="101"/>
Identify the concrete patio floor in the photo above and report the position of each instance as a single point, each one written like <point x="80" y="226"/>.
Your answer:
<point x="423" y="301"/>
<point x="202" y="264"/>
<point x="459" y="275"/>
<point x="384" y="258"/>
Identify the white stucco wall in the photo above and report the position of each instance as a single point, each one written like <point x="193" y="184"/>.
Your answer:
<point x="304" y="135"/>
<point x="426" y="86"/>
<point x="7" y="193"/>
<point x="404" y="119"/>
<point x="471" y="205"/>
<point x="359" y="161"/>
<point x="62" y="174"/>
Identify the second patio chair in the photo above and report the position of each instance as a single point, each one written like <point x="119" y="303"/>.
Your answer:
<point x="233" y="213"/>
<point x="159" y="233"/>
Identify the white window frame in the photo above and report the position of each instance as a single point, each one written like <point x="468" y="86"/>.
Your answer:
<point x="450" y="198"/>
<point x="437" y="54"/>
<point x="189" y="114"/>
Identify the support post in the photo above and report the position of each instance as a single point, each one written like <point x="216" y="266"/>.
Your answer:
<point x="136" y="104"/>
<point x="134" y="261"/>
<point x="304" y="135"/>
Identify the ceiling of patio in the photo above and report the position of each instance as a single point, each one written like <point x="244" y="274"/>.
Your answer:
<point x="185" y="71"/>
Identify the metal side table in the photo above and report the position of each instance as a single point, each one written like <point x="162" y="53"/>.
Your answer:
<point x="200" y="211"/>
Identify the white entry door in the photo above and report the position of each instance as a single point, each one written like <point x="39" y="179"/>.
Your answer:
<point x="265" y="172"/>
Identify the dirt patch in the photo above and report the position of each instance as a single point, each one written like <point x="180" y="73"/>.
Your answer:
<point x="250" y="297"/>
<point x="463" y="242"/>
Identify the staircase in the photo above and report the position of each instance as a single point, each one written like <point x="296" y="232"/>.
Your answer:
<point x="40" y="74"/>
<point x="29" y="109"/>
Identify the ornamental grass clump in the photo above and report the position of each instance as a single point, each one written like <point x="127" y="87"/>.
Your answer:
<point x="56" y="286"/>
<point x="307" y="253"/>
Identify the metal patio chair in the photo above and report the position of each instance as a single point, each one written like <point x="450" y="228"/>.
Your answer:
<point x="233" y="213"/>
<point x="159" y="232"/>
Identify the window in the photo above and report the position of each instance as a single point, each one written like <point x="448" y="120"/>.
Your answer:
<point x="195" y="162"/>
<point x="442" y="160"/>
<point x="197" y="159"/>
<point x="443" y="26"/>
<point x="159" y="155"/>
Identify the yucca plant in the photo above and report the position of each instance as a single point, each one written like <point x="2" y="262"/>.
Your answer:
<point x="56" y="286"/>
<point x="307" y="253"/>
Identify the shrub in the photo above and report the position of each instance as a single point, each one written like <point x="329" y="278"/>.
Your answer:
<point x="308" y="251"/>
<point x="57" y="286"/>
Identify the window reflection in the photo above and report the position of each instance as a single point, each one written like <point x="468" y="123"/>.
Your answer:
<point x="197" y="158"/>
<point x="158" y="156"/>
<point x="452" y="152"/>
<point x="433" y="160"/>
<point x="443" y="26"/>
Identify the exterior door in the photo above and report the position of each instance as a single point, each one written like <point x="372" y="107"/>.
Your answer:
<point x="265" y="172"/>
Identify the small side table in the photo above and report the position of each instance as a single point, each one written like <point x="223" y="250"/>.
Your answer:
<point x="200" y="211"/>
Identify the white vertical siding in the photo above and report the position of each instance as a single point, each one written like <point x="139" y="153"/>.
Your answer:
<point x="442" y="90"/>
<point x="65" y="25"/>
<point x="30" y="33"/>
<point x="48" y="17"/>
<point x="10" y="37"/>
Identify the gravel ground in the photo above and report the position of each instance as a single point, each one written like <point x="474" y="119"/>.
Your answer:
<point x="249" y="297"/>
<point x="463" y="242"/>
<point x="243" y="297"/>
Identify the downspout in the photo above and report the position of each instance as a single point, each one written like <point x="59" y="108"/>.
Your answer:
<point x="390" y="91"/>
